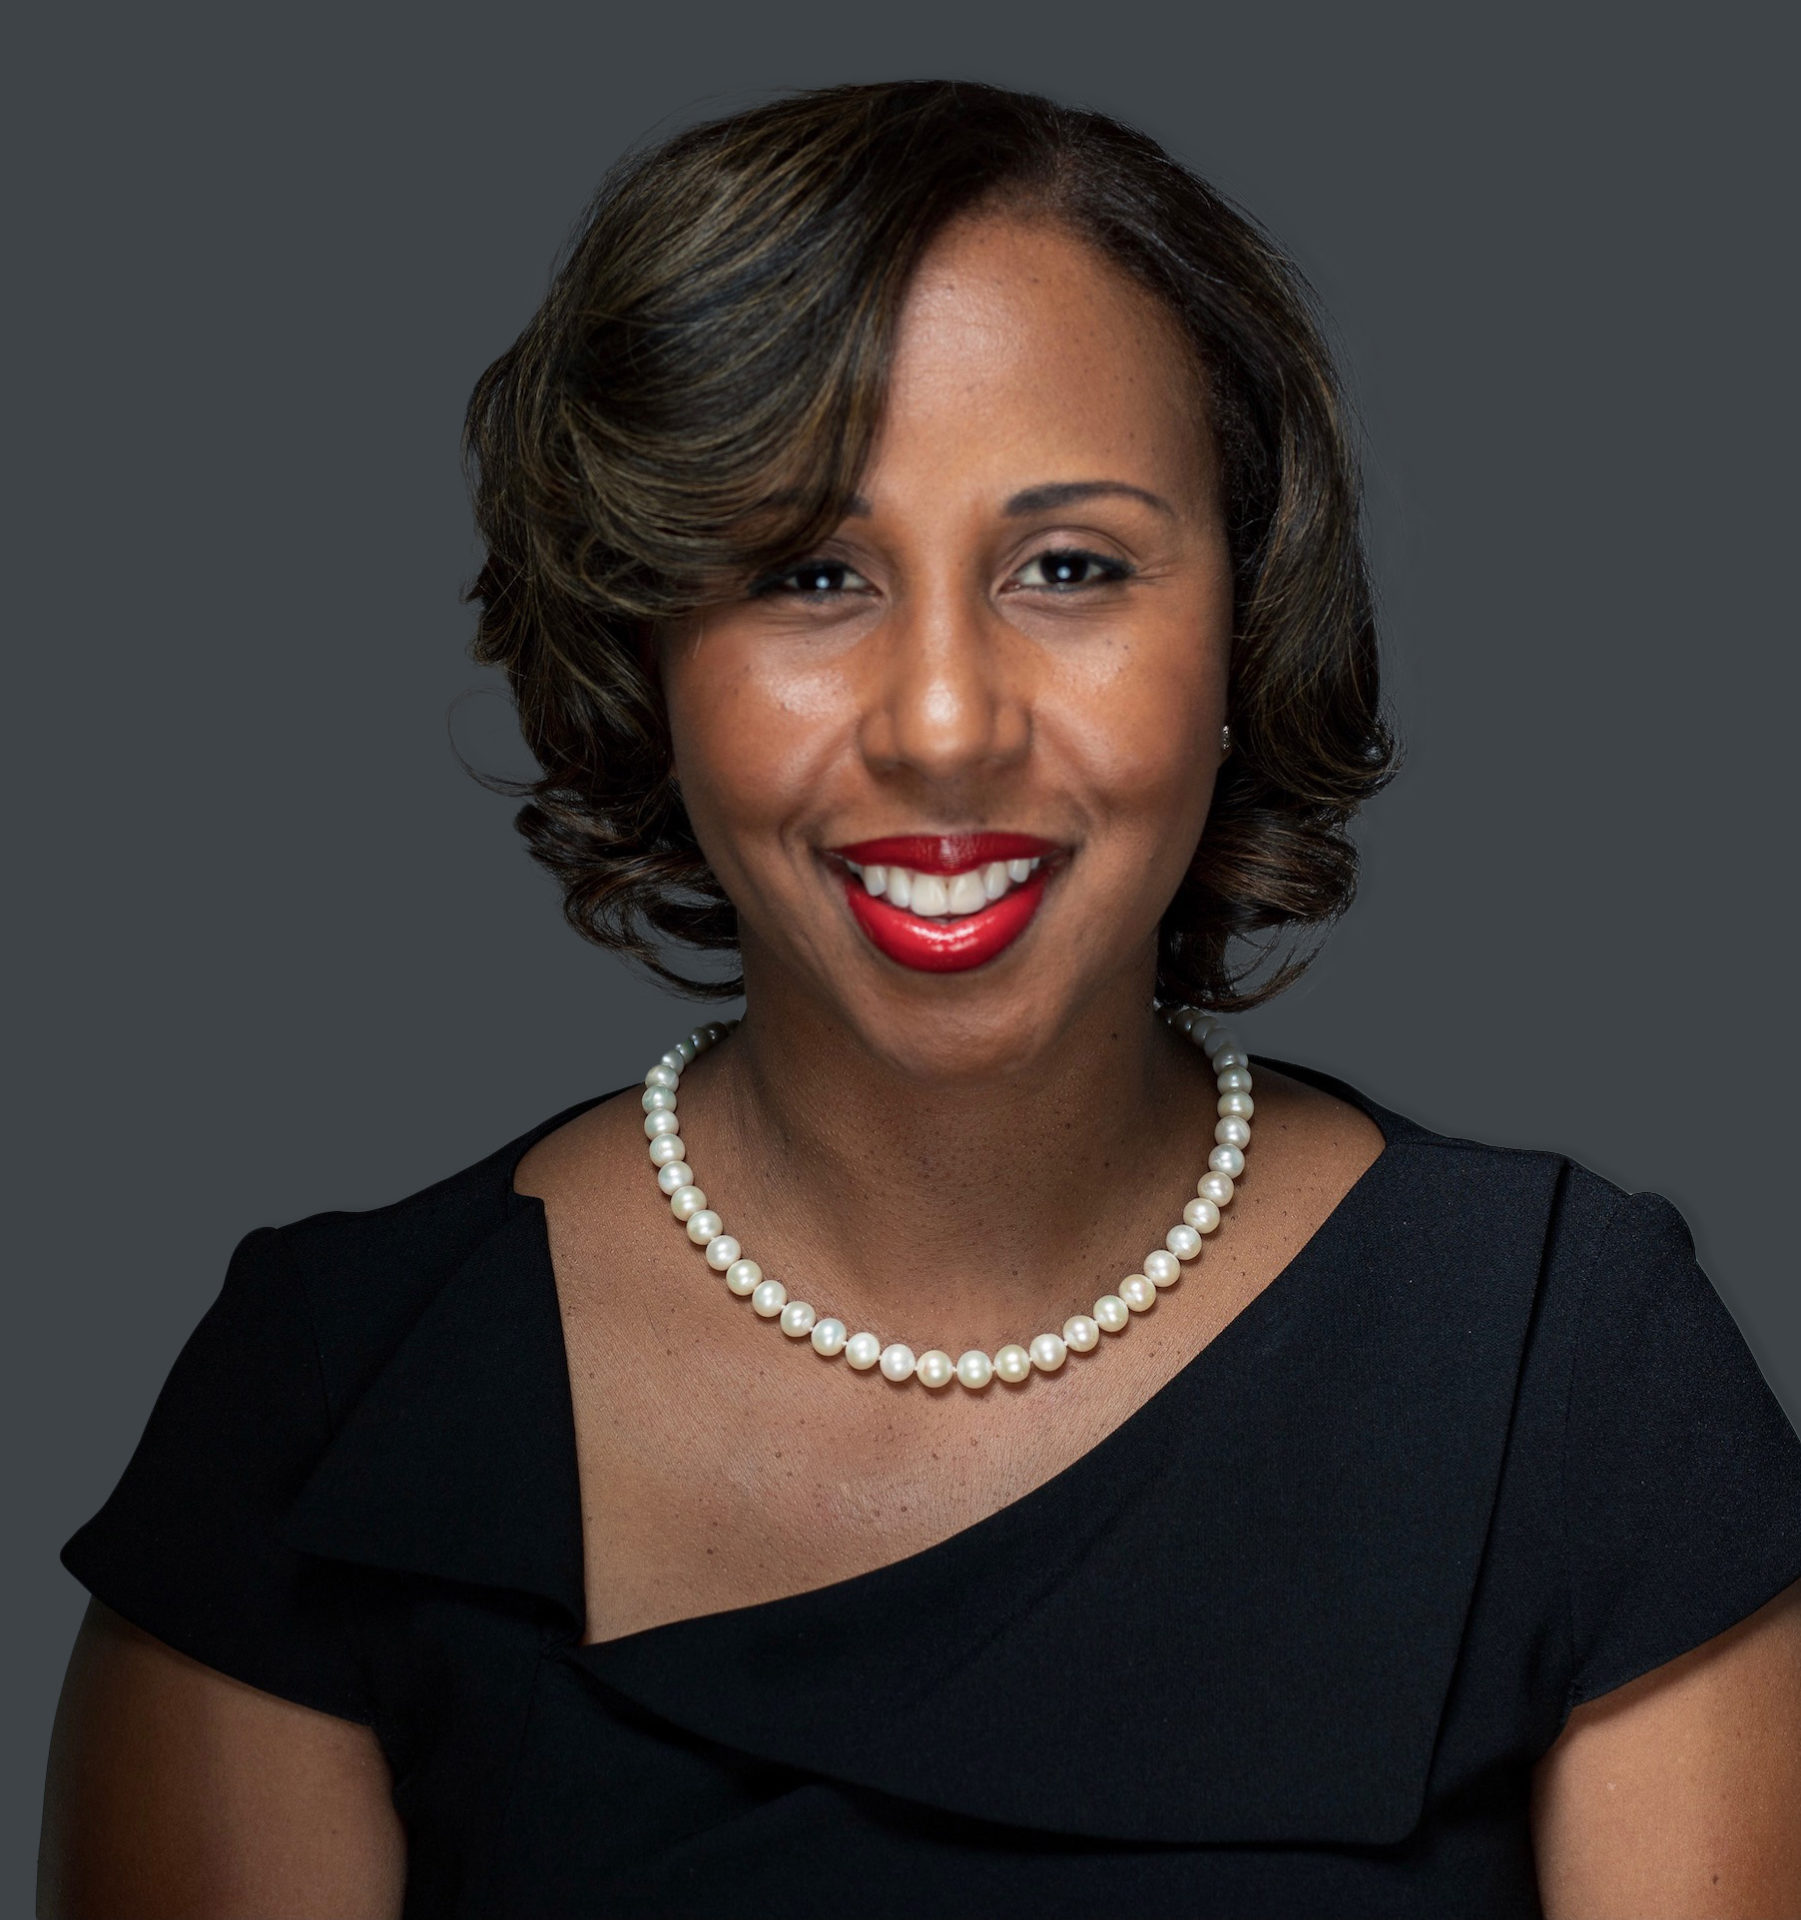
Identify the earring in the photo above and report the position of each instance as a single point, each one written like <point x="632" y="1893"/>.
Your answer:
<point x="1225" y="741"/>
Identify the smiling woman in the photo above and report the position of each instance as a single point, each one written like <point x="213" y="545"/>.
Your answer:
<point x="924" y="548"/>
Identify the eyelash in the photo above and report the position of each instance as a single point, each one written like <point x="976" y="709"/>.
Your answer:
<point x="1111" y="572"/>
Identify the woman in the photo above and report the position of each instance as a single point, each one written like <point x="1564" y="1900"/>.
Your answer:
<point x="924" y="547"/>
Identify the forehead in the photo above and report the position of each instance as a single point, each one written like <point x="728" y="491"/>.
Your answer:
<point x="1018" y="336"/>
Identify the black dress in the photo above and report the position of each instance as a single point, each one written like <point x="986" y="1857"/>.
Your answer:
<point x="1286" y="1642"/>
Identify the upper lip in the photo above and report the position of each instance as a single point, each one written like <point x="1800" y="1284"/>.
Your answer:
<point x="945" y="852"/>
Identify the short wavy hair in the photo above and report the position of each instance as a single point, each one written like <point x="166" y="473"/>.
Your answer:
<point x="695" y="401"/>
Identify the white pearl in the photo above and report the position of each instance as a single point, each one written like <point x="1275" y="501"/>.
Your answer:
<point x="704" y="1226"/>
<point x="686" y="1202"/>
<point x="1217" y="1041"/>
<point x="1235" y="1080"/>
<point x="1184" y="1019"/>
<point x="744" y="1276"/>
<point x="975" y="1369"/>
<point x="1226" y="1160"/>
<point x="1183" y="1242"/>
<point x="1013" y="1364"/>
<point x="935" y="1369"/>
<point x="684" y="1051"/>
<point x="828" y="1338"/>
<point x="722" y="1250"/>
<point x="655" y="1098"/>
<point x="931" y="898"/>
<point x="1233" y="1133"/>
<point x="1229" y="1058"/>
<point x="1048" y="1352"/>
<point x="862" y="1350"/>
<point x="673" y="1062"/>
<point x="1080" y="1334"/>
<point x="769" y="1299"/>
<point x="662" y="1121"/>
<point x="666" y="1149"/>
<point x="965" y="895"/>
<point x="662" y="1076"/>
<point x="1240" y="1104"/>
<point x="797" y="1319"/>
<point x="1137" y="1292"/>
<point x="994" y="880"/>
<point x="1216" y="1187"/>
<point x="898" y="1362"/>
<point x="701" y="1039"/>
<point x="677" y="1173"/>
<point x="1202" y="1215"/>
<point x="1111" y="1313"/>
<point x="1160" y="1267"/>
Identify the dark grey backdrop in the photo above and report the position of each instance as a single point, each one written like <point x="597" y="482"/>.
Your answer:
<point x="277" y="953"/>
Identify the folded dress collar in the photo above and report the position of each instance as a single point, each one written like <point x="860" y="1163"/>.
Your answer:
<point x="1234" y="1619"/>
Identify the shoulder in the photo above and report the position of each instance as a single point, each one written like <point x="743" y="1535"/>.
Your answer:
<point x="362" y="1279"/>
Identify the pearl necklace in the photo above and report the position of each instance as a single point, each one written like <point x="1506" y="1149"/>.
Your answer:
<point x="1111" y="1313"/>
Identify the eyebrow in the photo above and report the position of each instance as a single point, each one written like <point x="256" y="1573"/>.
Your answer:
<point x="1046" y="499"/>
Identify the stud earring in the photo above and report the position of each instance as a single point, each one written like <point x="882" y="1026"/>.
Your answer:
<point x="1225" y="741"/>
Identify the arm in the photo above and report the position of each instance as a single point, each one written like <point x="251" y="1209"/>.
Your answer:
<point x="175" y="1791"/>
<point x="1678" y="1795"/>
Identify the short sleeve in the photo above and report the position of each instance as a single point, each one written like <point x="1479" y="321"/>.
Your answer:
<point x="1682" y="1474"/>
<point x="188" y="1547"/>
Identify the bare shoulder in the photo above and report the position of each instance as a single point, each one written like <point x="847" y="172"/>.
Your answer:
<point x="566" y="1163"/>
<point x="1319" y="1144"/>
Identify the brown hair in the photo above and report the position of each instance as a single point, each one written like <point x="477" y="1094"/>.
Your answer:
<point x="694" y="403"/>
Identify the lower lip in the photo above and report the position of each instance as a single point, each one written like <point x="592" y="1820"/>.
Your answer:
<point x="945" y="946"/>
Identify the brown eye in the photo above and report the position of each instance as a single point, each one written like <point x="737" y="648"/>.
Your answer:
<point x="1065" y="568"/>
<point x="811" y="579"/>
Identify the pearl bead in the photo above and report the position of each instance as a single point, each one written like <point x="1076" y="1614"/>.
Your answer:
<point x="1013" y="1364"/>
<point x="1234" y="1080"/>
<point x="935" y="1369"/>
<point x="673" y="1062"/>
<point x="677" y="1173"/>
<point x="828" y="1338"/>
<point x="1183" y="1242"/>
<point x="862" y="1350"/>
<point x="743" y="1276"/>
<point x="1218" y="1041"/>
<point x="769" y="1298"/>
<point x="662" y="1076"/>
<point x="1226" y="1160"/>
<point x="701" y="1039"/>
<point x="1161" y="1267"/>
<point x="898" y="1362"/>
<point x="1233" y="1133"/>
<point x="1184" y="1019"/>
<point x="684" y="1050"/>
<point x="1202" y="1215"/>
<point x="662" y="1121"/>
<point x="666" y="1149"/>
<point x="654" y="1099"/>
<point x="1229" y="1058"/>
<point x="1080" y="1334"/>
<point x="1240" y="1104"/>
<point x="797" y="1319"/>
<point x="1111" y="1313"/>
<point x="1137" y="1292"/>
<point x="704" y="1226"/>
<point x="975" y="1369"/>
<point x="686" y="1202"/>
<point x="1048" y="1352"/>
<point x="1216" y="1187"/>
<point x="722" y="1250"/>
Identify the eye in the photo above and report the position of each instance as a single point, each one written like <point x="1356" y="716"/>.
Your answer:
<point x="811" y="580"/>
<point x="1063" y="569"/>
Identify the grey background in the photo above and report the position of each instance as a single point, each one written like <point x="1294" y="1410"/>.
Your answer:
<point x="274" y="951"/>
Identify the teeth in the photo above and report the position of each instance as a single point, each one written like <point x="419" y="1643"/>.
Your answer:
<point x="939" y="896"/>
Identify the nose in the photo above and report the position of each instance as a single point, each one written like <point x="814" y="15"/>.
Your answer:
<point x="948" y="697"/>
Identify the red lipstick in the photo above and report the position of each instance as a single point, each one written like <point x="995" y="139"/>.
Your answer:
<point x="931" y="945"/>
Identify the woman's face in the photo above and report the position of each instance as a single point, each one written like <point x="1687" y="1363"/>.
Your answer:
<point x="1009" y="660"/>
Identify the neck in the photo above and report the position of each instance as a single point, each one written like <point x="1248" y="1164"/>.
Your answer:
<point x="953" y="1207"/>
